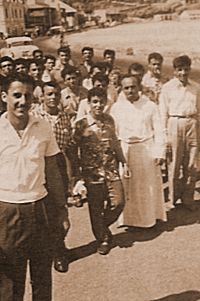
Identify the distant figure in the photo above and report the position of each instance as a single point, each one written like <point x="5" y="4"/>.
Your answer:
<point x="180" y="112"/>
<point x="152" y="80"/>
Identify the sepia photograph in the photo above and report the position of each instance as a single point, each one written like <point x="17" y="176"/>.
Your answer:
<point x="100" y="150"/>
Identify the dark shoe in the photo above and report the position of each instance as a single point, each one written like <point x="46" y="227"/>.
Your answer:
<point x="61" y="264"/>
<point x="104" y="248"/>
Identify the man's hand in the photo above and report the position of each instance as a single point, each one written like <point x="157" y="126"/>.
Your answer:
<point x="63" y="219"/>
<point x="126" y="171"/>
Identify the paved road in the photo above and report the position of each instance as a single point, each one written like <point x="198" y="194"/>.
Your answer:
<point x="158" y="264"/>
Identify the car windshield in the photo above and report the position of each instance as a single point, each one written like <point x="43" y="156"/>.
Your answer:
<point x="20" y="43"/>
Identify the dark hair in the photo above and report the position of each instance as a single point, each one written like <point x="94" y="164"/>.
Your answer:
<point x="49" y="57"/>
<point x="100" y="65"/>
<point x="108" y="52"/>
<point x="65" y="49"/>
<point x="127" y="75"/>
<point x="51" y="84"/>
<point x="155" y="55"/>
<point x="6" y="59"/>
<point x="16" y="77"/>
<point x="70" y="70"/>
<point x="100" y="77"/>
<point x="37" y="50"/>
<point x="136" y="67"/>
<point x="20" y="61"/>
<point x="181" y="61"/>
<point x="87" y="48"/>
<point x="97" y="92"/>
<point x="32" y="61"/>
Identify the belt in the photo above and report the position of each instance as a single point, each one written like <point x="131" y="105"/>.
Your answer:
<point x="183" y="116"/>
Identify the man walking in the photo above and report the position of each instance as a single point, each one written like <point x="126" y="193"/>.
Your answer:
<point x="28" y="170"/>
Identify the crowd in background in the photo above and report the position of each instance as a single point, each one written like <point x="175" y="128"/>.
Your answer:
<point x="121" y="138"/>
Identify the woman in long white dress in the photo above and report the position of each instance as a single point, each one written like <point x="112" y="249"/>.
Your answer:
<point x="138" y="126"/>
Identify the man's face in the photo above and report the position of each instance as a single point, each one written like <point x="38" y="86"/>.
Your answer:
<point x="130" y="88"/>
<point x="182" y="73"/>
<point x="100" y="84"/>
<point x="64" y="58"/>
<point x="97" y="105"/>
<point x="155" y="67"/>
<point x="114" y="78"/>
<point x="138" y="74"/>
<point x="6" y="68"/>
<point x="38" y="55"/>
<point x="51" y="97"/>
<point x="109" y="58"/>
<point x="34" y="71"/>
<point x="21" y="68"/>
<point x="71" y="80"/>
<point x="50" y="63"/>
<point x="18" y="98"/>
<point x="87" y="55"/>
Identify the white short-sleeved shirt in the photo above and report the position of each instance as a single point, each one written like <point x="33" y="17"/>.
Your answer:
<point x="22" y="160"/>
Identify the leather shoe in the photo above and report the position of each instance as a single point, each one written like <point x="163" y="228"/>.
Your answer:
<point x="61" y="264"/>
<point x="104" y="248"/>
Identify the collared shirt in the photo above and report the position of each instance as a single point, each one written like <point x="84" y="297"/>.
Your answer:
<point x="138" y="121"/>
<point x="60" y="125"/>
<point x="152" y="86"/>
<point x="100" y="150"/>
<point x="46" y="76"/>
<point x="23" y="160"/>
<point x="179" y="100"/>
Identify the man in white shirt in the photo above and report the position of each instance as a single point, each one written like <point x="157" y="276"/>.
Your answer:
<point x="179" y="108"/>
<point x="28" y="171"/>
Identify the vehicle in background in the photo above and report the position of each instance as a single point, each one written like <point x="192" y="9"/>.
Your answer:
<point x="17" y="47"/>
<point x="55" y="30"/>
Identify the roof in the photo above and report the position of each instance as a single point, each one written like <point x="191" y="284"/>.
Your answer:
<point x="67" y="8"/>
<point x="16" y="39"/>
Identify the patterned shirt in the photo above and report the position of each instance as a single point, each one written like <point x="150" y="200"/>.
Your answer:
<point x="100" y="150"/>
<point x="60" y="124"/>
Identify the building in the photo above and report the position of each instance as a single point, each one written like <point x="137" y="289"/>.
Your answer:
<point x="12" y="19"/>
<point x="190" y="15"/>
<point x="47" y="13"/>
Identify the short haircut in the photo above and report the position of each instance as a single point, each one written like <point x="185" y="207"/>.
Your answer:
<point x="36" y="51"/>
<point x="70" y="70"/>
<point x="87" y="48"/>
<point x="136" y="67"/>
<point x="32" y="61"/>
<point x="97" y="92"/>
<point x="51" y="84"/>
<point x="128" y="75"/>
<point x="101" y="77"/>
<point x="16" y="77"/>
<point x="109" y="52"/>
<point x="6" y="59"/>
<point x="49" y="57"/>
<point x="183" y="60"/>
<point x="20" y="61"/>
<point x="100" y="65"/>
<point x="155" y="55"/>
<point x="65" y="49"/>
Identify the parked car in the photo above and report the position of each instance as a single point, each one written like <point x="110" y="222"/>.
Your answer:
<point x="54" y="30"/>
<point x="17" y="47"/>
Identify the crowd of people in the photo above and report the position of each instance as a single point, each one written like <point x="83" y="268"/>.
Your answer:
<point x="88" y="132"/>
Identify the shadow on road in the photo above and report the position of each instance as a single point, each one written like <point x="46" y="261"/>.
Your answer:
<point x="82" y="251"/>
<point x="184" y="296"/>
<point x="179" y="216"/>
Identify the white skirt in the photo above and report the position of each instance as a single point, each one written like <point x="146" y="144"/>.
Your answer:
<point x="143" y="190"/>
